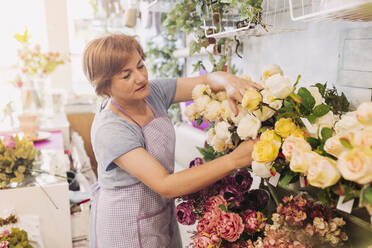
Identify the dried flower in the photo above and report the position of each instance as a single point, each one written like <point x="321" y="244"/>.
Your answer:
<point x="185" y="214"/>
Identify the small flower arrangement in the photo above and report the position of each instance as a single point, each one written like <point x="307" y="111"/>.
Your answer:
<point x="33" y="62"/>
<point x="228" y="213"/>
<point x="298" y="222"/>
<point x="14" y="238"/>
<point x="16" y="159"/>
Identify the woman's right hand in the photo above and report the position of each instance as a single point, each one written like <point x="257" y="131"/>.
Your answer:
<point x="242" y="155"/>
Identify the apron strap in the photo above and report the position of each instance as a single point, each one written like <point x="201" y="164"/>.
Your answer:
<point x="117" y="106"/>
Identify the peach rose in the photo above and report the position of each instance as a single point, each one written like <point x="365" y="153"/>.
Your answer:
<point x="301" y="160"/>
<point x="293" y="143"/>
<point x="364" y="113"/>
<point x="356" y="165"/>
<point x="363" y="137"/>
<point x="333" y="145"/>
<point x="323" y="172"/>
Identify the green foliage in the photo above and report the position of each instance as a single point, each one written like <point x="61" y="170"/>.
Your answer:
<point x="367" y="195"/>
<point x="209" y="153"/>
<point x="338" y="103"/>
<point x="308" y="101"/>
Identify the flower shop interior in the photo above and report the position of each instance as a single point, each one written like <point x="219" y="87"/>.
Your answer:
<point x="310" y="180"/>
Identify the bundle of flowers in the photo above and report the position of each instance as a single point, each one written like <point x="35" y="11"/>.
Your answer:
<point x="306" y="133"/>
<point x="300" y="223"/>
<point x="229" y="213"/>
<point x="14" y="238"/>
<point x="16" y="159"/>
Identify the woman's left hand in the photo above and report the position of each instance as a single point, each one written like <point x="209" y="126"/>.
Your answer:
<point x="235" y="87"/>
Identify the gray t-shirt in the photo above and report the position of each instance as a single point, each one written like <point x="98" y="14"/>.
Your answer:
<point x="113" y="136"/>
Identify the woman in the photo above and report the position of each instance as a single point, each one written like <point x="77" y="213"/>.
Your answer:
<point x="134" y="142"/>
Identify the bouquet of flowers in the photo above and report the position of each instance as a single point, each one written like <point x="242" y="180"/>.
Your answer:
<point x="301" y="223"/>
<point x="33" y="62"/>
<point x="16" y="159"/>
<point x="307" y="134"/>
<point x="229" y="213"/>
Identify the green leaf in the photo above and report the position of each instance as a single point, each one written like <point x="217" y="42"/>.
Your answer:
<point x="223" y="207"/>
<point x="312" y="118"/>
<point x="367" y="195"/>
<point x="326" y="133"/>
<point x="346" y="143"/>
<point x="308" y="100"/>
<point x="323" y="197"/>
<point x="321" y="110"/>
<point x="313" y="142"/>
<point x="199" y="122"/>
<point x="287" y="178"/>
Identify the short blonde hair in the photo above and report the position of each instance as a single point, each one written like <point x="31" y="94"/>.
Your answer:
<point x="105" y="57"/>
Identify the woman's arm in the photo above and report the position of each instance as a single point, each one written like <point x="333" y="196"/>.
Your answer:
<point x="140" y="164"/>
<point x="218" y="81"/>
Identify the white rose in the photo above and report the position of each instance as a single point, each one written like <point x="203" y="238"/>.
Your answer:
<point x="333" y="145"/>
<point x="364" y="113"/>
<point x="279" y="86"/>
<point x="326" y="120"/>
<point x="202" y="103"/>
<point x="323" y="173"/>
<point x="200" y="90"/>
<point x="241" y="114"/>
<point x="314" y="91"/>
<point x="269" y="98"/>
<point x="261" y="169"/>
<point x="347" y="123"/>
<point x="264" y="113"/>
<point x="212" y="111"/>
<point x="210" y="135"/>
<point x="221" y="96"/>
<point x="222" y="131"/>
<point x="291" y="144"/>
<point x="271" y="70"/>
<point x="220" y="145"/>
<point x="225" y="110"/>
<point x="248" y="127"/>
<point x="191" y="112"/>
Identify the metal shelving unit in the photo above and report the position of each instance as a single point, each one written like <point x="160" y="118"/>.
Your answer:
<point x="322" y="10"/>
<point x="275" y="16"/>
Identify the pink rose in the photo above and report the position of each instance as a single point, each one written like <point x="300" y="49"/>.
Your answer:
<point x="4" y="244"/>
<point x="9" y="142"/>
<point x="205" y="240"/>
<point x="209" y="221"/>
<point x="230" y="226"/>
<point x="214" y="202"/>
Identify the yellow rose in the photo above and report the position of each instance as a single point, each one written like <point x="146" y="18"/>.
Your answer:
<point x="298" y="133"/>
<point x="191" y="112"/>
<point x="356" y="165"/>
<point x="251" y="99"/>
<point x="265" y="151"/>
<point x="220" y="96"/>
<point x="225" y="110"/>
<point x="284" y="127"/>
<point x="200" y="90"/>
<point x="291" y="144"/>
<point x="271" y="136"/>
<point x="323" y="172"/>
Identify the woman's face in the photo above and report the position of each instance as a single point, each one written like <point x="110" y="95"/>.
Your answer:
<point x="131" y="83"/>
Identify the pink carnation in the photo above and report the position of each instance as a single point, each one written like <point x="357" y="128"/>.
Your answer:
<point x="214" y="202"/>
<point x="230" y="226"/>
<point x="254" y="221"/>
<point x="9" y="142"/>
<point x="204" y="240"/>
<point x="209" y="221"/>
<point x="4" y="244"/>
